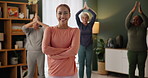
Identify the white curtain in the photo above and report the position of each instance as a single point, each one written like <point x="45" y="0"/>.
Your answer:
<point x="49" y="16"/>
<point x="49" y="11"/>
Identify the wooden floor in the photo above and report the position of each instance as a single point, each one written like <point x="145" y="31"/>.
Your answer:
<point x="94" y="74"/>
<point x="110" y="75"/>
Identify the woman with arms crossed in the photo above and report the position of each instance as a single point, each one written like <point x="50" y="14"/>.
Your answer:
<point x="61" y="44"/>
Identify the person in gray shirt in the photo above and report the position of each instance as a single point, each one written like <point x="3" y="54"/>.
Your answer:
<point x="137" y="47"/>
<point x="34" y="34"/>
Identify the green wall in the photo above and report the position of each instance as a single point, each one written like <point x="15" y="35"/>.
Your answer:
<point x="92" y="4"/>
<point x="112" y="13"/>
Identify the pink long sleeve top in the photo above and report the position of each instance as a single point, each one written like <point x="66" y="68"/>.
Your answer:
<point x="61" y="46"/>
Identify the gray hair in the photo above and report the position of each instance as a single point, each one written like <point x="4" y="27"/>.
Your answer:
<point x="85" y="14"/>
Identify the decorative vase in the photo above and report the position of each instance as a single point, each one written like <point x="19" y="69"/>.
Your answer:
<point x="14" y="60"/>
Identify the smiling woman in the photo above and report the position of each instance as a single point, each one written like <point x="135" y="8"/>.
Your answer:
<point x="49" y="14"/>
<point x="61" y="44"/>
<point x="49" y="11"/>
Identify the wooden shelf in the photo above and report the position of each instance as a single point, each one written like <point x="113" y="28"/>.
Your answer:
<point x="18" y="33"/>
<point x="12" y="49"/>
<point x="15" y="19"/>
<point x="12" y="65"/>
<point x="6" y="54"/>
<point x="13" y="2"/>
<point x="9" y="25"/>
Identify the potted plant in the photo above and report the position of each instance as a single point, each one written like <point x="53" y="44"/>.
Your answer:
<point x="100" y="51"/>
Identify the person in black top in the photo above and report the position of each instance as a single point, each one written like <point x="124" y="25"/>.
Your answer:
<point x="86" y="48"/>
<point x="137" y="48"/>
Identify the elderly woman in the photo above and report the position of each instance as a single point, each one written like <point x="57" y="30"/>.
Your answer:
<point x="86" y="48"/>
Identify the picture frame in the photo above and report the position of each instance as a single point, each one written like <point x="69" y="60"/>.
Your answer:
<point x="13" y="12"/>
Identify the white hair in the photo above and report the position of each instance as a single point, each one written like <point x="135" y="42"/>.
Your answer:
<point x="85" y="14"/>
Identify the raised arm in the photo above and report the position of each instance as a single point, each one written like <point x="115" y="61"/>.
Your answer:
<point x="135" y="6"/>
<point x="29" y="24"/>
<point x="92" y="12"/>
<point x="73" y="49"/>
<point x="129" y="16"/>
<point x="93" y="17"/>
<point x="78" y="13"/>
<point x="144" y="17"/>
<point x="26" y="27"/>
<point x="36" y="18"/>
<point x="77" y="17"/>
<point x="46" y="45"/>
<point x="40" y="23"/>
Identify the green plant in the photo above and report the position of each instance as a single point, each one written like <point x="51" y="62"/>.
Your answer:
<point x="100" y="50"/>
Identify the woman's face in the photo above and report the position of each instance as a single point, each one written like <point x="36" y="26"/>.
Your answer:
<point x="84" y="19"/>
<point x="137" y="21"/>
<point x="63" y="15"/>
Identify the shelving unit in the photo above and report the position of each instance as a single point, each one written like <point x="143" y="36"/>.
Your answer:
<point x="7" y="22"/>
<point x="5" y="53"/>
<point x="8" y="70"/>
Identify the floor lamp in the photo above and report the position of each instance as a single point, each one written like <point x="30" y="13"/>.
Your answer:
<point x="95" y="31"/>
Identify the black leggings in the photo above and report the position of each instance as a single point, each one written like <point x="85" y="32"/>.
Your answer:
<point x="136" y="58"/>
